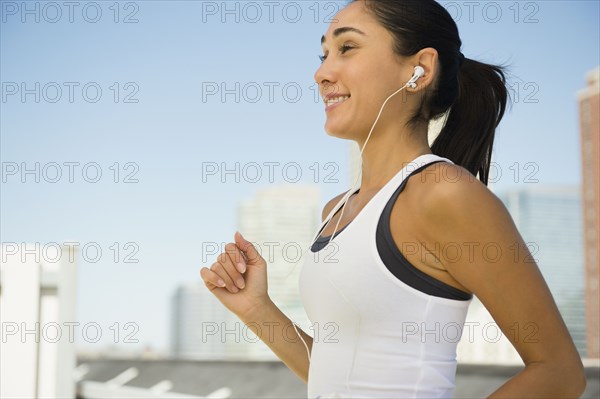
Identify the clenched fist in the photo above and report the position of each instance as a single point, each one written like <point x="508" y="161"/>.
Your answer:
<point x="238" y="278"/>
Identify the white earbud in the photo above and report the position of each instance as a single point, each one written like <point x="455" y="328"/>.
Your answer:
<point x="419" y="71"/>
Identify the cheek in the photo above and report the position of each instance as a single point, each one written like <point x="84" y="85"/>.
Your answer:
<point x="378" y="92"/>
<point x="370" y="85"/>
<point x="367" y="101"/>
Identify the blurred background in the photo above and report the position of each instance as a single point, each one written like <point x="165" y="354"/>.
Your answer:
<point x="137" y="136"/>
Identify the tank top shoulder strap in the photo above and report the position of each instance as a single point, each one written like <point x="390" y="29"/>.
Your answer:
<point x="424" y="160"/>
<point x="333" y="212"/>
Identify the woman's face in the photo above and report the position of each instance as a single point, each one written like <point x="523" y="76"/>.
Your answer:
<point x="359" y="63"/>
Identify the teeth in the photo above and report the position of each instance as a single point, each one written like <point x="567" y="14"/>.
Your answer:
<point x="336" y="100"/>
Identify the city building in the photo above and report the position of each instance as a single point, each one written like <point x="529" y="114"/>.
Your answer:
<point x="201" y="327"/>
<point x="281" y="222"/>
<point x="589" y="119"/>
<point x="549" y="220"/>
<point x="38" y="287"/>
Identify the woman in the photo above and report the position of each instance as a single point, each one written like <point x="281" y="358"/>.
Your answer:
<point x="391" y="289"/>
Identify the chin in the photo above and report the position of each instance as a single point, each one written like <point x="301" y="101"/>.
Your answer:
<point x="332" y="131"/>
<point x="340" y="127"/>
<point x="340" y="134"/>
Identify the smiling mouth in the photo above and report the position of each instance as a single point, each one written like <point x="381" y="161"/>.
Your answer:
<point x="336" y="100"/>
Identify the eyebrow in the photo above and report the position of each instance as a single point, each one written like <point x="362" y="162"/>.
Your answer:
<point x="344" y="29"/>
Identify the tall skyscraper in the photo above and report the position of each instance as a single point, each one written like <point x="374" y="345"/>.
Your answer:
<point x="549" y="220"/>
<point x="281" y="222"/>
<point x="202" y="328"/>
<point x="589" y="119"/>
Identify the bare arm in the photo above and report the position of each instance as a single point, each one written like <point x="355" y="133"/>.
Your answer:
<point x="510" y="286"/>
<point x="275" y="329"/>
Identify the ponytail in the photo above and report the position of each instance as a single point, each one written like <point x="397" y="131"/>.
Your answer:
<point x="467" y="137"/>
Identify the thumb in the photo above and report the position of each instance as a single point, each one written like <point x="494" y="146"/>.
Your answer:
<point x="248" y="249"/>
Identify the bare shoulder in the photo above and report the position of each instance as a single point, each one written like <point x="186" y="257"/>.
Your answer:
<point x="329" y="206"/>
<point x="456" y="208"/>
<point x="447" y="188"/>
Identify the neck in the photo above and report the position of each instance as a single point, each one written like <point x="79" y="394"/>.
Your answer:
<point x="386" y="153"/>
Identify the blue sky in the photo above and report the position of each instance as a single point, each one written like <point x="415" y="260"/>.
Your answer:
<point x="165" y="61"/>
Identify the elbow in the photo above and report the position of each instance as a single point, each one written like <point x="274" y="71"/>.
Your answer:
<point x="580" y="382"/>
<point x="565" y="379"/>
<point x="576" y="381"/>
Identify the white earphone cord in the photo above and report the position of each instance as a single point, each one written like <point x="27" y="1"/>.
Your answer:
<point x="419" y="71"/>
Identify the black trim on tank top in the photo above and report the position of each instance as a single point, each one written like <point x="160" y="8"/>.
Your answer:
<point x="394" y="260"/>
<point x="399" y="265"/>
<point x="321" y="242"/>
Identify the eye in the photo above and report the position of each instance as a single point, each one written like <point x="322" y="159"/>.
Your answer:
<point x="342" y="50"/>
<point x="345" y="48"/>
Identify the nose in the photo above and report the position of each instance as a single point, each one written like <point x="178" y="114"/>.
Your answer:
<point x="326" y="78"/>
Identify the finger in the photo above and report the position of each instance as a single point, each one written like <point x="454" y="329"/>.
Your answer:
<point x="247" y="249"/>
<point x="228" y="264"/>
<point x="218" y="268"/>
<point x="235" y="254"/>
<point x="211" y="277"/>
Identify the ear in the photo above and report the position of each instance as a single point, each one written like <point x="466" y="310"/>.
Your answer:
<point x="427" y="58"/>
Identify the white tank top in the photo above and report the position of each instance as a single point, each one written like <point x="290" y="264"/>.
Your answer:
<point x="374" y="336"/>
